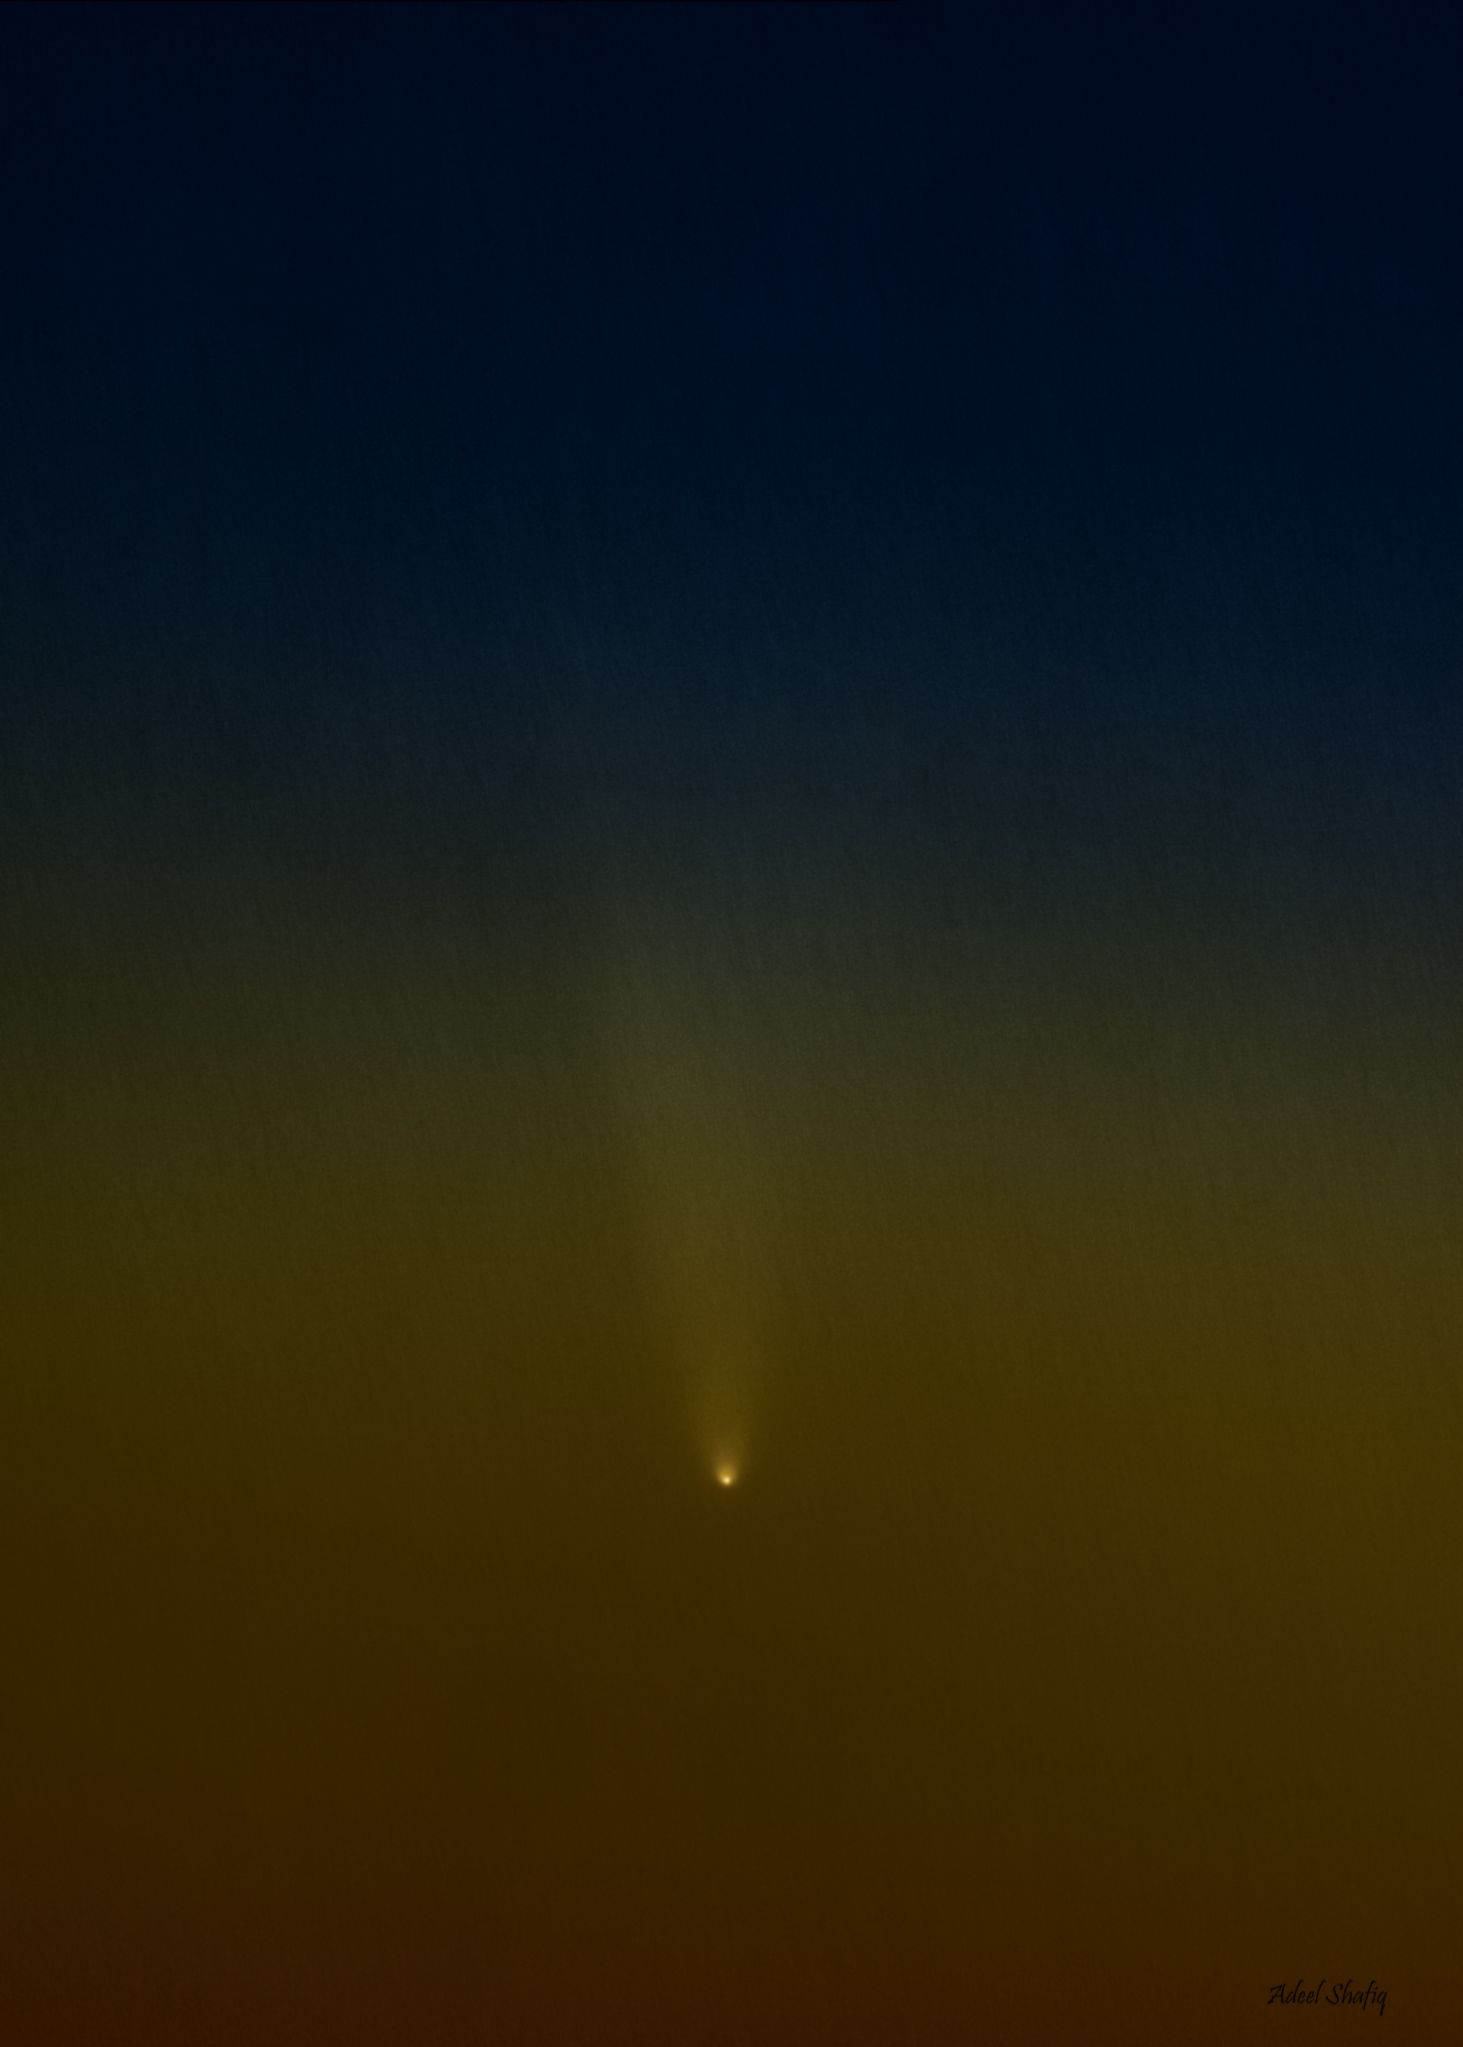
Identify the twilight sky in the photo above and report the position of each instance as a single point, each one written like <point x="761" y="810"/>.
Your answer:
<point x="729" y="747"/>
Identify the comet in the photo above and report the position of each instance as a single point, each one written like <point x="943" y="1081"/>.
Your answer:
<point x="681" y="1045"/>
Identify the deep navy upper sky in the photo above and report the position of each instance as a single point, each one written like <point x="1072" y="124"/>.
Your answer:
<point x="727" y="387"/>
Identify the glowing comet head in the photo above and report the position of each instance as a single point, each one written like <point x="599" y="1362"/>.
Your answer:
<point x="726" y="1475"/>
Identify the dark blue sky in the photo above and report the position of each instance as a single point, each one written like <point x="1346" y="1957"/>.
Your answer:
<point x="744" y="393"/>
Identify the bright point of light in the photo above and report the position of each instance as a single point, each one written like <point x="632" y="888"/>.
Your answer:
<point x="725" y="1475"/>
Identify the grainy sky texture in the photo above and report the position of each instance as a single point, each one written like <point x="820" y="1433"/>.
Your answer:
<point x="730" y="748"/>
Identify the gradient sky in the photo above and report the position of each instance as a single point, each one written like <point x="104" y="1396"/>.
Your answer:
<point x="729" y="746"/>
